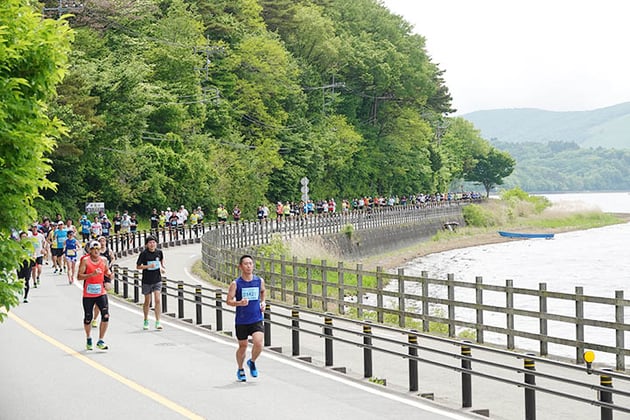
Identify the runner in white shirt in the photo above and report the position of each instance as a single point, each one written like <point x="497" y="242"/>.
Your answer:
<point x="39" y="242"/>
<point x="96" y="228"/>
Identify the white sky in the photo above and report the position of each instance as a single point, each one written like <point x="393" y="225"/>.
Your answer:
<point x="559" y="55"/>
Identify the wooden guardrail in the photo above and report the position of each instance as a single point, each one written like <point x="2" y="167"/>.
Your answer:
<point x="487" y="311"/>
<point x="288" y="325"/>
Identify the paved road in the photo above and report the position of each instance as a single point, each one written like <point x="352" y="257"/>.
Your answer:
<point x="180" y="372"/>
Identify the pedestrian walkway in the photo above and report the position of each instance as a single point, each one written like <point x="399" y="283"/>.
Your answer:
<point x="179" y="372"/>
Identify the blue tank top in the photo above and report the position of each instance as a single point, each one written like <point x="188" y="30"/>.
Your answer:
<point x="71" y="247"/>
<point x="250" y="290"/>
<point x="61" y="235"/>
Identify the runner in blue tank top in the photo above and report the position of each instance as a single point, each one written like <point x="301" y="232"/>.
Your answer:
<point x="247" y="295"/>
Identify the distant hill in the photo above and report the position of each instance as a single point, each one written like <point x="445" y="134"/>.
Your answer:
<point x="605" y="127"/>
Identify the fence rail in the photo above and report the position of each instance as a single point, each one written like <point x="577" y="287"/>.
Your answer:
<point x="205" y="307"/>
<point x="319" y="288"/>
<point x="568" y="322"/>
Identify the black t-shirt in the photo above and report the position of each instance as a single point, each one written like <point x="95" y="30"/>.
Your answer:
<point x="117" y="220"/>
<point x="155" y="218"/>
<point x="133" y="224"/>
<point x="151" y="275"/>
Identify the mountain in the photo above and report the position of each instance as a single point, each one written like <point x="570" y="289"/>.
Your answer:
<point x="605" y="127"/>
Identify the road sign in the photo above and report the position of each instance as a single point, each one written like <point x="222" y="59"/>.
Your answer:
<point x="304" y="189"/>
<point x="304" y="181"/>
<point x="94" y="207"/>
<point x="304" y="197"/>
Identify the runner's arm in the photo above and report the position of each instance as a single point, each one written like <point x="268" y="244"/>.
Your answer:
<point x="262" y="294"/>
<point x="231" y="297"/>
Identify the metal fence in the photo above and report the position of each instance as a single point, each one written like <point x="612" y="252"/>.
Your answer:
<point x="205" y="307"/>
<point x="312" y="290"/>
<point x="530" y="318"/>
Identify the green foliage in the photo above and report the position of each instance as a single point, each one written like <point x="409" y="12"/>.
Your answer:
<point x="213" y="101"/>
<point x="558" y="166"/>
<point x="468" y="334"/>
<point x="491" y="169"/>
<point x="478" y="216"/>
<point x="33" y="59"/>
<point x="588" y="220"/>
<point x="378" y="381"/>
<point x="516" y="195"/>
<point x="275" y="247"/>
<point x="348" y="230"/>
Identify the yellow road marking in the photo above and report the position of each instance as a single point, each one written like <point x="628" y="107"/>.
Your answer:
<point x="131" y="384"/>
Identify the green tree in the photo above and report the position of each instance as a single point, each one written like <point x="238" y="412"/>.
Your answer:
<point x="491" y="169"/>
<point x="33" y="59"/>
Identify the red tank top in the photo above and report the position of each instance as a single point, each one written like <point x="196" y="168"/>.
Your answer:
<point x="93" y="286"/>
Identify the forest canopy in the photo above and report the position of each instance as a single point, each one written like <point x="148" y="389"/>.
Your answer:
<point x="201" y="102"/>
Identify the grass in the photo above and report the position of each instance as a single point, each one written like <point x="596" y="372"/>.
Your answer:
<point x="587" y="220"/>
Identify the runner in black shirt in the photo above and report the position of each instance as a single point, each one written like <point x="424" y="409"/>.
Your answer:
<point x="151" y="262"/>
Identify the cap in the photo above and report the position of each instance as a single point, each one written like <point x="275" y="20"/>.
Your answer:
<point x="34" y="225"/>
<point x="168" y="209"/>
<point x="84" y="217"/>
<point x="94" y="244"/>
<point x="150" y="238"/>
<point x="60" y="222"/>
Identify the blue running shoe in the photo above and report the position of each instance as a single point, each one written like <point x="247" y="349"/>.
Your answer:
<point x="240" y="375"/>
<point x="88" y="344"/>
<point x="252" y="368"/>
<point x="101" y="345"/>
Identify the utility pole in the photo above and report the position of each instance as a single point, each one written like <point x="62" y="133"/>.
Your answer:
<point x="332" y="86"/>
<point x="387" y="97"/>
<point x="441" y="126"/>
<point x="209" y="51"/>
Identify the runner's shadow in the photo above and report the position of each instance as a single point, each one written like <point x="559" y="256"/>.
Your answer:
<point x="236" y="384"/>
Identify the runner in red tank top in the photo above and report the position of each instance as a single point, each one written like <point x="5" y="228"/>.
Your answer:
<point x="92" y="270"/>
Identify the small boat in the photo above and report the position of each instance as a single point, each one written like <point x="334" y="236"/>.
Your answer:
<point x="526" y="235"/>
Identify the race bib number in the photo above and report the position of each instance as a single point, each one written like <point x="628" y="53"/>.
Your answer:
<point x="153" y="265"/>
<point x="71" y="252"/>
<point x="94" y="289"/>
<point x="250" y="293"/>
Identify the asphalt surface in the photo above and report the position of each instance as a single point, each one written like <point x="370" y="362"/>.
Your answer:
<point x="180" y="372"/>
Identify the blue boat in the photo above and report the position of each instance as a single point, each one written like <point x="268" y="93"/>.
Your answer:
<point x="526" y="235"/>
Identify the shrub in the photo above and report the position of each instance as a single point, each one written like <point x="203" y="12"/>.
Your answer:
<point x="348" y="230"/>
<point x="275" y="247"/>
<point x="516" y="198"/>
<point x="476" y="215"/>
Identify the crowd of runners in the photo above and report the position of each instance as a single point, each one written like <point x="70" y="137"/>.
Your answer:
<point x="82" y="253"/>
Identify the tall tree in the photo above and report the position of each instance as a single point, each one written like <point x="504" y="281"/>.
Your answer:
<point x="491" y="169"/>
<point x="33" y="59"/>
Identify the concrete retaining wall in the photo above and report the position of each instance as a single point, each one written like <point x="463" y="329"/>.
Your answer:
<point x="379" y="240"/>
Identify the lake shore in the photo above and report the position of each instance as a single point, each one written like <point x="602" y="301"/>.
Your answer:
<point x="401" y="257"/>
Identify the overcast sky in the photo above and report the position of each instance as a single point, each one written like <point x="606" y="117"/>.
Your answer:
<point x="559" y="55"/>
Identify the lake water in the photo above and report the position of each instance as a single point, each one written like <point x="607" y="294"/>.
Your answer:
<point x="596" y="259"/>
